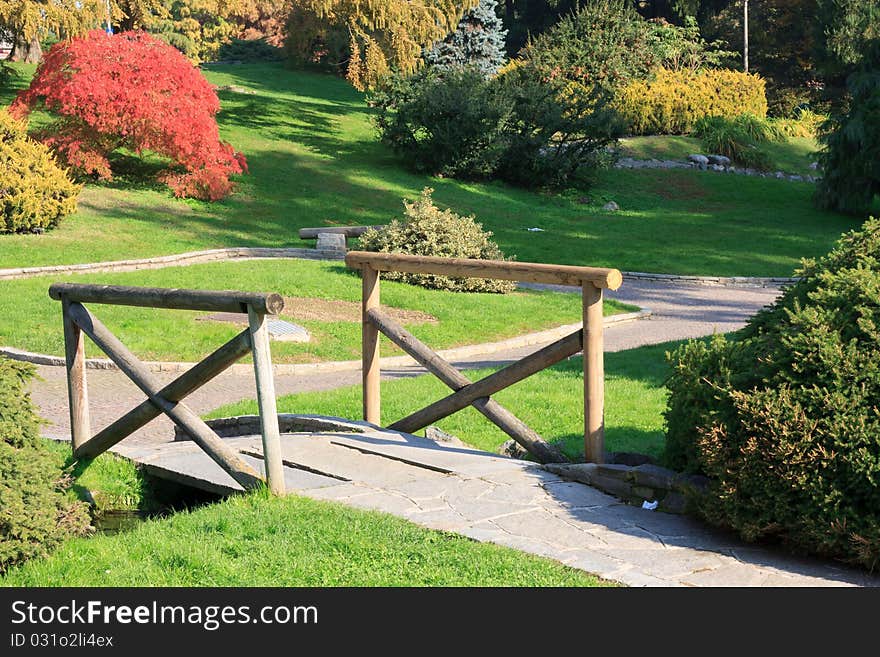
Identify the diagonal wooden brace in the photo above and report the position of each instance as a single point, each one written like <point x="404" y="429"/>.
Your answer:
<point x="446" y="372"/>
<point x="176" y="391"/>
<point x="484" y="388"/>
<point x="185" y="418"/>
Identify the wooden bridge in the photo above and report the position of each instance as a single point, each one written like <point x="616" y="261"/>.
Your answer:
<point x="227" y="464"/>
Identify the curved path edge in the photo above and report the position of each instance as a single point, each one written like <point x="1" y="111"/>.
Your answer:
<point x="248" y="253"/>
<point x="281" y="369"/>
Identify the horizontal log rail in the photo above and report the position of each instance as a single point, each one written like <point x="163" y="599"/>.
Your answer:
<point x="591" y="280"/>
<point x="529" y="272"/>
<point x="225" y="301"/>
<point x="348" y="231"/>
<point x="79" y="321"/>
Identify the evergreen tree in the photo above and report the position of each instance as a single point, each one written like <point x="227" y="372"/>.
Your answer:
<point x="478" y="42"/>
<point x="851" y="158"/>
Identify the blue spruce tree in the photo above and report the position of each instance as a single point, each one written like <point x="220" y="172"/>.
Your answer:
<point x="478" y="42"/>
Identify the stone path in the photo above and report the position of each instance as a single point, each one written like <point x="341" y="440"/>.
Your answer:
<point x="509" y="502"/>
<point x="484" y="496"/>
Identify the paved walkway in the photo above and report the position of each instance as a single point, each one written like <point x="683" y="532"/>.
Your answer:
<point x="484" y="496"/>
<point x="509" y="502"/>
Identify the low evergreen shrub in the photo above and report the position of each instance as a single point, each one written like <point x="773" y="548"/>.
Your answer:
<point x="36" y="514"/>
<point x="430" y="231"/>
<point x="672" y="102"/>
<point x="35" y="192"/>
<point x="783" y="415"/>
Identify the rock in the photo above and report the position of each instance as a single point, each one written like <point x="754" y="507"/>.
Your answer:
<point x="814" y="166"/>
<point x="779" y="175"/>
<point x="438" y="435"/>
<point x="628" y="458"/>
<point x="796" y="178"/>
<point x="673" y="503"/>
<point x="722" y="160"/>
<point x="698" y="159"/>
<point x="611" y="206"/>
<point x="283" y="331"/>
<point x="717" y="167"/>
<point x="334" y="242"/>
<point x="584" y="200"/>
<point x="653" y="476"/>
<point x="513" y="449"/>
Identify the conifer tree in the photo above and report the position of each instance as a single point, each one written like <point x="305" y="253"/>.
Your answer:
<point x="478" y="41"/>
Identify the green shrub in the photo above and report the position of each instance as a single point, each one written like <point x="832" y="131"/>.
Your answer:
<point x="35" y="193"/>
<point x="249" y="50"/>
<point x="427" y="230"/>
<point x="783" y="416"/>
<point x="805" y="123"/>
<point x="604" y="43"/>
<point x="672" y="102"/>
<point x="739" y="139"/>
<point x="35" y="512"/>
<point x="450" y="124"/>
<point x="518" y="127"/>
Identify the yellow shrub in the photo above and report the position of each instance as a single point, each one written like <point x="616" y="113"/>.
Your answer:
<point x="671" y="102"/>
<point x="35" y="193"/>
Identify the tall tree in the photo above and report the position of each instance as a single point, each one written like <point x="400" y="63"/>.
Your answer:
<point x="27" y="21"/>
<point x="382" y="34"/>
<point x="478" y="41"/>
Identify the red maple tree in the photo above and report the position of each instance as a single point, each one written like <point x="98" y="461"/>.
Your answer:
<point x="131" y="90"/>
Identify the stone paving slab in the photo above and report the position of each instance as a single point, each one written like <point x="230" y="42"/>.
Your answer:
<point x="515" y="504"/>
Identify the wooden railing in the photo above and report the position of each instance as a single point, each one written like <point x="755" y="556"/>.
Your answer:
<point x="169" y="399"/>
<point x="591" y="280"/>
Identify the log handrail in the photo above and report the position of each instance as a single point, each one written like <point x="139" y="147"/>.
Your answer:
<point x="530" y="272"/>
<point x="591" y="280"/>
<point x="78" y="321"/>
<point x="229" y="301"/>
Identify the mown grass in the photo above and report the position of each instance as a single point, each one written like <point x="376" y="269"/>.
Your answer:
<point x="109" y="481"/>
<point x="256" y="540"/>
<point x="314" y="160"/>
<point x="551" y="402"/>
<point x="33" y="322"/>
<point x="793" y="155"/>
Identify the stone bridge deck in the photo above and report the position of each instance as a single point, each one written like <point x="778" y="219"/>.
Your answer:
<point x="510" y="502"/>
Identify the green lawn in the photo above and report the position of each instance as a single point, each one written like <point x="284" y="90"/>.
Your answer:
<point x="34" y="321"/>
<point x="794" y="155"/>
<point x="255" y="540"/>
<point x="314" y="160"/>
<point x="551" y="402"/>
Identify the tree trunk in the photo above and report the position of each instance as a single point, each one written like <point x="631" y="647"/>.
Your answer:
<point x="24" y="50"/>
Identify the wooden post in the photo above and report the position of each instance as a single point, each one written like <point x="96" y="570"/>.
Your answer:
<point x="266" y="401"/>
<point x="594" y="375"/>
<point x="370" y="347"/>
<point x="77" y="392"/>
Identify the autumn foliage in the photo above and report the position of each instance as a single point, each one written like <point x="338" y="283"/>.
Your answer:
<point x="132" y="91"/>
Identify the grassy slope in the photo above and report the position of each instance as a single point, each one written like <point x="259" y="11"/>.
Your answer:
<point x="34" y="322"/>
<point x="257" y="541"/>
<point x="551" y="402"/>
<point x="794" y="155"/>
<point x="314" y="160"/>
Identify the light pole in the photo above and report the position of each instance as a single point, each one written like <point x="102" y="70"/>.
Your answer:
<point x="746" y="35"/>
